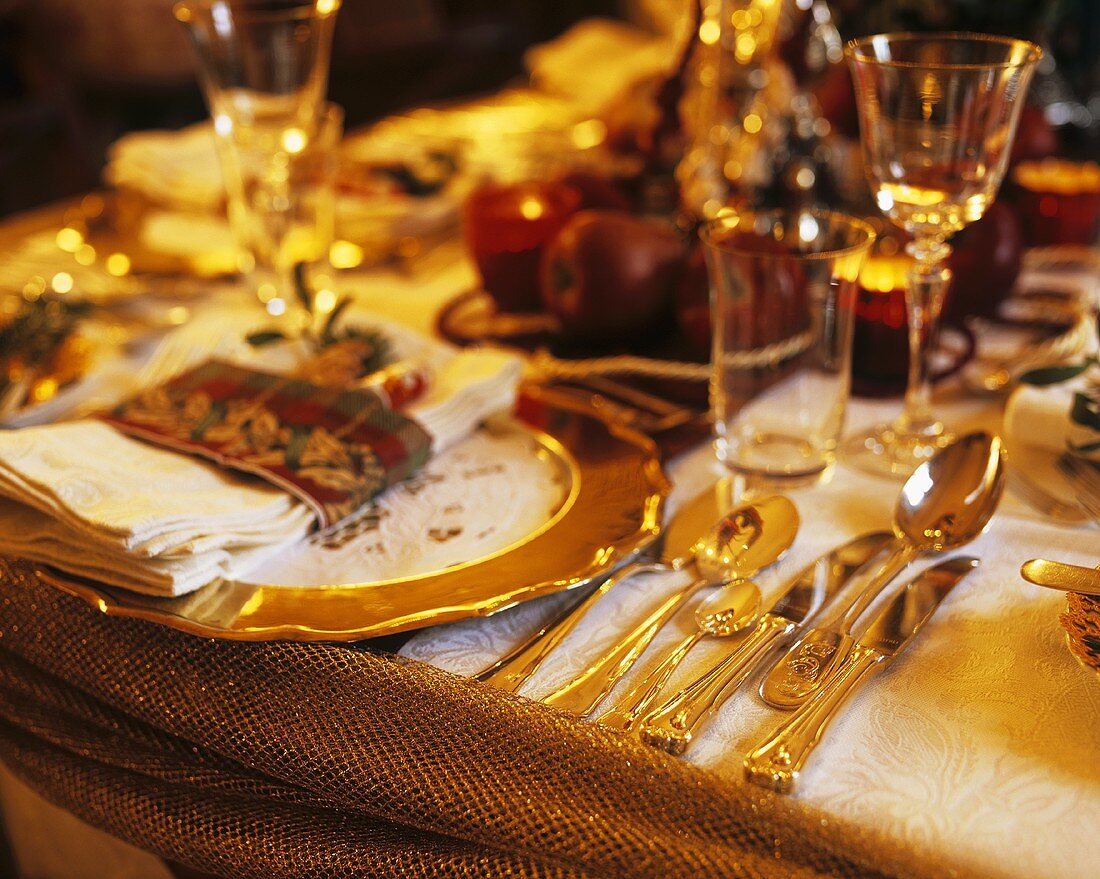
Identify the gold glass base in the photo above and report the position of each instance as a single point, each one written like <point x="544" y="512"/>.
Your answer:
<point x="890" y="450"/>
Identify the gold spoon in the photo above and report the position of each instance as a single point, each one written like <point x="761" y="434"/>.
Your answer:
<point x="946" y="503"/>
<point x="729" y="610"/>
<point x="743" y="541"/>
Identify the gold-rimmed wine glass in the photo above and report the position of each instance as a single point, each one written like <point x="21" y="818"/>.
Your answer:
<point x="937" y="114"/>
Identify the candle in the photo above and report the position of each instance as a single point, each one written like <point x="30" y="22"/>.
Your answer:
<point x="880" y="347"/>
<point x="1058" y="201"/>
<point x="506" y="228"/>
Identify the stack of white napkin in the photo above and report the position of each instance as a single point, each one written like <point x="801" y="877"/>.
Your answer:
<point x="177" y="169"/>
<point x="180" y="171"/>
<point x="98" y="504"/>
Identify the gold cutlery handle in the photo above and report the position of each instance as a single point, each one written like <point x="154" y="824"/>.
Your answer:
<point x="672" y="726"/>
<point x="510" y="672"/>
<point x="819" y="652"/>
<point x="585" y="692"/>
<point x="891" y="566"/>
<point x="637" y="701"/>
<point x="776" y="763"/>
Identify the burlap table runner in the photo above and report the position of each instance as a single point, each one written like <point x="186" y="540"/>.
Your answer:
<point x="309" y="760"/>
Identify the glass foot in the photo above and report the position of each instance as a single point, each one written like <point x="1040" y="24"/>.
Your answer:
<point x="888" y="450"/>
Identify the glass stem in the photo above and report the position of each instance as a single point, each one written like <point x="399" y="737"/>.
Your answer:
<point x="927" y="283"/>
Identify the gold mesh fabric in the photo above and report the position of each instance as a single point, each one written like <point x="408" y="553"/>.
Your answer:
<point x="314" y="760"/>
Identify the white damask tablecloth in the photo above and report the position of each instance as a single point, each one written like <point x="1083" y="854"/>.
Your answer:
<point x="982" y="741"/>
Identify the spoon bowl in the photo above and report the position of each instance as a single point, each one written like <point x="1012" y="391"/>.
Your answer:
<point x="729" y="610"/>
<point x="746" y="539"/>
<point x="948" y="500"/>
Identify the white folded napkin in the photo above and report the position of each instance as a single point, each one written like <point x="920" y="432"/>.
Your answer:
<point x="174" y="168"/>
<point x="1038" y="416"/>
<point x="180" y="171"/>
<point x="91" y="501"/>
<point x="598" y="60"/>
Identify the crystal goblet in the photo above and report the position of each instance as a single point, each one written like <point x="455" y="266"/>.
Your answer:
<point x="263" y="66"/>
<point x="938" y="114"/>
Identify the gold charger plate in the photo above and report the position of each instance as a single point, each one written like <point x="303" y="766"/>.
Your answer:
<point x="613" y="499"/>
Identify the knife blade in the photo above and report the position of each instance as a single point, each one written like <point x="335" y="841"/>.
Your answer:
<point x="673" y="725"/>
<point x="688" y="523"/>
<point x="777" y="763"/>
<point x="1059" y="575"/>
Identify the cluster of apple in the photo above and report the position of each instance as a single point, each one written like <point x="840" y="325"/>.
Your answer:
<point x="612" y="278"/>
<point x="610" y="274"/>
<point x="575" y="248"/>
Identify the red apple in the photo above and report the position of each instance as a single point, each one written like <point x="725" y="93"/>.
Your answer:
<point x="836" y="96"/>
<point x="610" y="276"/>
<point x="984" y="262"/>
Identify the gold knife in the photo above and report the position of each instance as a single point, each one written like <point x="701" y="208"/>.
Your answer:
<point x="1058" y="575"/>
<point x="777" y="763"/>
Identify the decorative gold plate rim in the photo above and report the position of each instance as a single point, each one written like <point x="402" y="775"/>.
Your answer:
<point x="612" y="511"/>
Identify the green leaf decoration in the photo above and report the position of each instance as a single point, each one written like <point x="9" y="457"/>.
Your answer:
<point x="328" y="334"/>
<point x="301" y="287"/>
<point x="1086" y="410"/>
<point x="264" y="337"/>
<point x="1052" y="375"/>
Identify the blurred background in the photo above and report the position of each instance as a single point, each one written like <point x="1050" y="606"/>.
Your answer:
<point x="76" y="74"/>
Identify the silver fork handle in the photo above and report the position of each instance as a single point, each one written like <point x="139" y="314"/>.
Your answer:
<point x="673" y="726"/>
<point x="584" y="693"/>
<point x="510" y="672"/>
<point x="777" y="763"/>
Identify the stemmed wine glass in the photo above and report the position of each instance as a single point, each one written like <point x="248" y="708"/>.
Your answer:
<point x="937" y="114"/>
<point x="263" y="66"/>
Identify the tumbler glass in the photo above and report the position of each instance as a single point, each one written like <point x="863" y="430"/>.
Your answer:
<point x="784" y="292"/>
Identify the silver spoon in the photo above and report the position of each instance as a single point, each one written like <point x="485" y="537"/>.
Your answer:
<point x="731" y="609"/>
<point x="946" y="502"/>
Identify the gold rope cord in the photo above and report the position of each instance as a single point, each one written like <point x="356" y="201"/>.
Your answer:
<point x="311" y="760"/>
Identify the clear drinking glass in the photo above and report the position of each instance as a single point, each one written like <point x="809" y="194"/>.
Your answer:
<point x="784" y="287"/>
<point x="937" y="114"/>
<point x="263" y="66"/>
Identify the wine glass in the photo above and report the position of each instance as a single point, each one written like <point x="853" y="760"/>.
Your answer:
<point x="937" y="115"/>
<point x="263" y="66"/>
